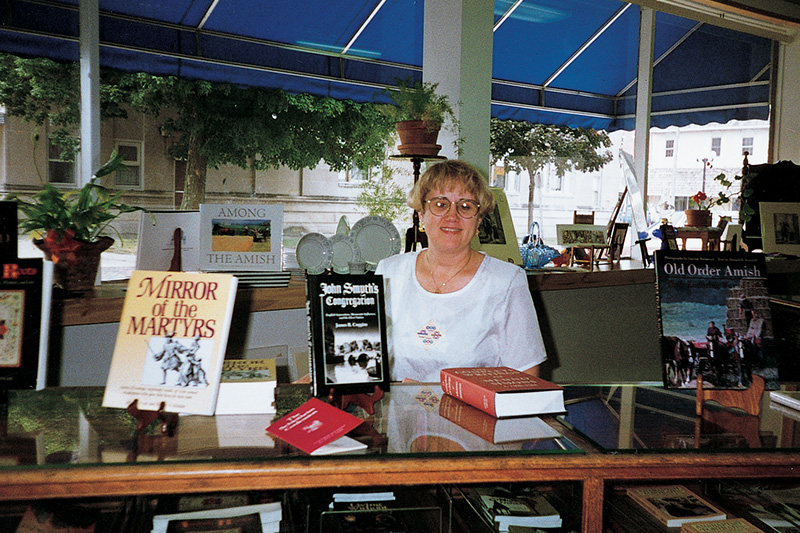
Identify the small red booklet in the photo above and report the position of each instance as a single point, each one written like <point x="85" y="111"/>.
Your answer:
<point x="502" y="391"/>
<point x="313" y="424"/>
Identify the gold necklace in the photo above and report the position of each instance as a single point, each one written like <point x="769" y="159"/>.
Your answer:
<point x="436" y="287"/>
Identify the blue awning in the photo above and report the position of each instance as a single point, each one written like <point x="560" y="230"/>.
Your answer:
<point x="570" y="62"/>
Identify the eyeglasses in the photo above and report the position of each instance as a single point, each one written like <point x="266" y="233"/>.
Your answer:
<point x="440" y="206"/>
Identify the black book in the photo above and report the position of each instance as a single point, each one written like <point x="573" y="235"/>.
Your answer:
<point x="20" y="322"/>
<point x="715" y="319"/>
<point x="8" y="230"/>
<point x="347" y="333"/>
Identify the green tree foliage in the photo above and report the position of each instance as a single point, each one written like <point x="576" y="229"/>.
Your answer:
<point x="525" y="146"/>
<point x="212" y="124"/>
<point x="381" y="196"/>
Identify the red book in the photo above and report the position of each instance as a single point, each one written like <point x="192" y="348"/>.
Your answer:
<point x="313" y="425"/>
<point x="502" y="391"/>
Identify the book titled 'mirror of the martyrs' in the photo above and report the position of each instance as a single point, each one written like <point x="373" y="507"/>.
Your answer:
<point x="347" y="333"/>
<point x="715" y="319"/>
<point x="171" y="343"/>
<point x="503" y="391"/>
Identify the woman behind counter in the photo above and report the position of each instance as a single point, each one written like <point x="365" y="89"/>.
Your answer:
<point x="449" y="305"/>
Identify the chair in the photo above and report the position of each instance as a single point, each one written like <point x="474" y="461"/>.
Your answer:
<point x="582" y="218"/>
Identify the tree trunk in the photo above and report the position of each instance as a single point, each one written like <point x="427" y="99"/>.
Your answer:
<point x="195" y="187"/>
<point x="532" y="173"/>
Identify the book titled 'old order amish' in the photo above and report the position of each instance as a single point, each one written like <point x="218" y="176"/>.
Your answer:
<point x="172" y="337"/>
<point x="502" y="391"/>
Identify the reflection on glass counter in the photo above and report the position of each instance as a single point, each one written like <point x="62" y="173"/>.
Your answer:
<point x="63" y="426"/>
<point x="650" y="418"/>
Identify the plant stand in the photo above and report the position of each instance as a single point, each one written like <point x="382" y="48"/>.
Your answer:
<point x="414" y="233"/>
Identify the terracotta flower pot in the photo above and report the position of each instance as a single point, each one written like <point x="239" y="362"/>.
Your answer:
<point x="75" y="262"/>
<point x="418" y="137"/>
<point x="698" y="217"/>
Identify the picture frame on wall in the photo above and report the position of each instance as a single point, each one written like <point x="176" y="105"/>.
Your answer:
<point x="496" y="234"/>
<point x="780" y="227"/>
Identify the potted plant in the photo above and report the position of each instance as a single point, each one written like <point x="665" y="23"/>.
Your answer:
<point x="419" y="113"/>
<point x="700" y="212"/>
<point x="68" y="225"/>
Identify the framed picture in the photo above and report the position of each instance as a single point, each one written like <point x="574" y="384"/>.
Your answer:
<point x="780" y="227"/>
<point x="496" y="235"/>
<point x="581" y="235"/>
<point x="618" y="235"/>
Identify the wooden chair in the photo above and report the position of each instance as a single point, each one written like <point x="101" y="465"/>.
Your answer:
<point x="582" y="218"/>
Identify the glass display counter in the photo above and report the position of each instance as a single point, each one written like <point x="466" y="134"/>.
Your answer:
<point x="60" y="443"/>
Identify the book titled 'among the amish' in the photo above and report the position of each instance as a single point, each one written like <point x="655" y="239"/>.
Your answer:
<point x="503" y="391"/>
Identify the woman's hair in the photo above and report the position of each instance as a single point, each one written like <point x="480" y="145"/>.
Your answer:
<point x="452" y="174"/>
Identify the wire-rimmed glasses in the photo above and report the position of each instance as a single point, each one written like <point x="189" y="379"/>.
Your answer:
<point x="440" y="206"/>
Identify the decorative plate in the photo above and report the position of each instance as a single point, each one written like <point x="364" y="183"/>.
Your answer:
<point x="314" y="253"/>
<point x="345" y="250"/>
<point x="377" y="238"/>
<point x="343" y="227"/>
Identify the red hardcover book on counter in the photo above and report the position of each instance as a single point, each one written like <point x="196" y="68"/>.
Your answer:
<point x="502" y="391"/>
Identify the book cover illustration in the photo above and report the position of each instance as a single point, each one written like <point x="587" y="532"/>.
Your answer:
<point x="247" y="386"/>
<point x="156" y="244"/>
<point x="171" y="341"/>
<point x="347" y="333"/>
<point x="20" y="322"/>
<point x="715" y="319"/>
<point x="241" y="237"/>
<point x="674" y="505"/>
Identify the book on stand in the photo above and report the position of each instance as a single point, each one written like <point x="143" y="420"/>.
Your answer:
<point x="674" y="505"/>
<point x="156" y="244"/>
<point x="247" y="237"/>
<point x="502" y="391"/>
<point x="714" y="319"/>
<point x="171" y="342"/>
<point x="247" y="386"/>
<point x="21" y="316"/>
<point x="347" y="333"/>
<point x="504" y="508"/>
<point x="492" y="429"/>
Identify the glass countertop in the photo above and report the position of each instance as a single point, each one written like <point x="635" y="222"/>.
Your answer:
<point x="650" y="418"/>
<point x="64" y="426"/>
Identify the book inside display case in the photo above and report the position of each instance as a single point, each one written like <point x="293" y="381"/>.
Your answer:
<point x="60" y="445"/>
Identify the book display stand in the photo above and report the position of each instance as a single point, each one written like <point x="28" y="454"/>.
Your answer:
<point x="169" y="421"/>
<point x="748" y="400"/>
<point x="176" y="264"/>
<point x="414" y="235"/>
<point x="365" y="401"/>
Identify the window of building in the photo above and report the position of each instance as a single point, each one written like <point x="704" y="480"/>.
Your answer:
<point x="682" y="203"/>
<point x="59" y="171"/>
<point x="353" y="177"/>
<point x="129" y="177"/>
<point x="716" y="145"/>
<point x="747" y="145"/>
<point x="670" y="148"/>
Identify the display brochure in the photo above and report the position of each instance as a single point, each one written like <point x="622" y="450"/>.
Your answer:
<point x="156" y="244"/>
<point x="347" y="333"/>
<point x="674" y="505"/>
<point x="313" y="425"/>
<point x="492" y="429"/>
<point x="714" y="319"/>
<point x="265" y="513"/>
<point x="244" y="237"/>
<point x="502" y="391"/>
<point x="171" y="342"/>
<point x="21" y="292"/>
<point x="731" y="525"/>
<point x="247" y="386"/>
<point x="505" y="508"/>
